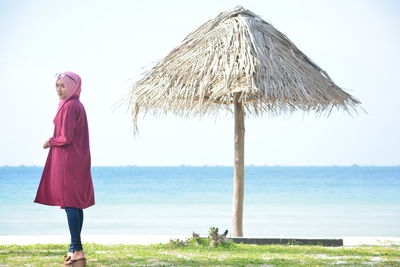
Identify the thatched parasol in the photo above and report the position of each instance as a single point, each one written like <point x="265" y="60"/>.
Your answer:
<point x="240" y="60"/>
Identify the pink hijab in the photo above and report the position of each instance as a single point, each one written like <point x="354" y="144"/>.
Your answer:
<point x="72" y="83"/>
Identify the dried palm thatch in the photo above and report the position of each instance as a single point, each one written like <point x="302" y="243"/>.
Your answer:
<point x="237" y="53"/>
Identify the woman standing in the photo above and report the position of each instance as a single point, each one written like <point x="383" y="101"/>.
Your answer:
<point x="66" y="180"/>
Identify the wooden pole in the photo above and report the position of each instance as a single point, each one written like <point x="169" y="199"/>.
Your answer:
<point x="238" y="179"/>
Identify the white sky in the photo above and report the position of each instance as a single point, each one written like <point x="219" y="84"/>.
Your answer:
<point x="110" y="42"/>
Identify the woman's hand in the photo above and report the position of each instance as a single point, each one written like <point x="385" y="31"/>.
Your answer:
<point x="46" y="144"/>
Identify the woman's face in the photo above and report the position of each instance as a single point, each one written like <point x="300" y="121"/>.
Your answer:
<point x="61" y="91"/>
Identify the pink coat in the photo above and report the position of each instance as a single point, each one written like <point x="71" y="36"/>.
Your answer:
<point x="66" y="179"/>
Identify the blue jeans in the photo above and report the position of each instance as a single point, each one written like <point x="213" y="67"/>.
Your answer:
<point x="75" y="221"/>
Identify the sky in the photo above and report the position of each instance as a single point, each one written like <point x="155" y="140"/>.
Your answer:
<point x="110" y="43"/>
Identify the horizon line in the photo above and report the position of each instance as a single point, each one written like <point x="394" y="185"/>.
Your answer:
<point x="209" y="165"/>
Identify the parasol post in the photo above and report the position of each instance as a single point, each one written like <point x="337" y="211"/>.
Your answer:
<point x="238" y="179"/>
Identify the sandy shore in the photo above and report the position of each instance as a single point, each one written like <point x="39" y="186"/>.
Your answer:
<point x="155" y="239"/>
<point x="99" y="239"/>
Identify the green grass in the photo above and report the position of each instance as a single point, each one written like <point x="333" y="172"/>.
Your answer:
<point x="227" y="255"/>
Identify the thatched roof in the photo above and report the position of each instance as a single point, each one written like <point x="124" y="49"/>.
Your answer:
<point x="236" y="53"/>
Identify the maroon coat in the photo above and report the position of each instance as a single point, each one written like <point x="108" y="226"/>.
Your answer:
<point x="66" y="179"/>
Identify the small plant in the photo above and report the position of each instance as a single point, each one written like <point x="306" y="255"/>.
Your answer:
<point x="177" y="242"/>
<point x="214" y="239"/>
<point x="194" y="240"/>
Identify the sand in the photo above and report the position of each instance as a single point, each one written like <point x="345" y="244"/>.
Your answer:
<point x="156" y="239"/>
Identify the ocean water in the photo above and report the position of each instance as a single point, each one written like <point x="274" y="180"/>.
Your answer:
<point x="278" y="201"/>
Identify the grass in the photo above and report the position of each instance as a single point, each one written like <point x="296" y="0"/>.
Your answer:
<point x="227" y="255"/>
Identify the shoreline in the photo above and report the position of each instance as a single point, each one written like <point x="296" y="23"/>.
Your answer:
<point x="215" y="165"/>
<point x="157" y="239"/>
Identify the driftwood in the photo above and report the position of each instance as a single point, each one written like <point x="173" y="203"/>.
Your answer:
<point x="215" y="238"/>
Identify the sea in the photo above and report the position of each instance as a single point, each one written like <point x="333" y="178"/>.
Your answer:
<point x="278" y="201"/>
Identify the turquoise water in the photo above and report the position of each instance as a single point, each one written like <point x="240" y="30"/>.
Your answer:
<point x="279" y="201"/>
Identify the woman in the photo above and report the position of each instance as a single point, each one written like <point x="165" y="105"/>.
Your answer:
<point x="66" y="179"/>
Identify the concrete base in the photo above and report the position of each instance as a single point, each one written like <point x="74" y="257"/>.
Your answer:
<point x="288" y="241"/>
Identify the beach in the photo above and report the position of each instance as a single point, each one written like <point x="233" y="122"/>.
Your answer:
<point x="157" y="239"/>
